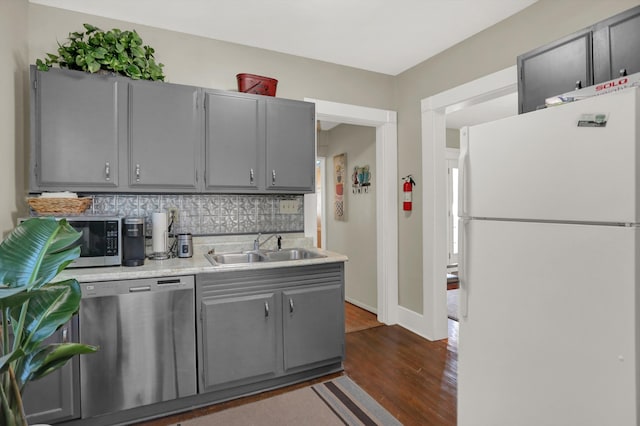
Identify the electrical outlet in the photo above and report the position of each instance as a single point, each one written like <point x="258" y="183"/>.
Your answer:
<point x="173" y="215"/>
<point x="289" y="206"/>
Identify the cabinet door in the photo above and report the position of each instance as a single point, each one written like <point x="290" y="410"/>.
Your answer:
<point x="164" y="136"/>
<point x="74" y="130"/>
<point x="556" y="68"/>
<point x="239" y="340"/>
<point x="56" y="397"/>
<point x="616" y="42"/>
<point x="234" y="142"/>
<point x="290" y="145"/>
<point x="313" y="321"/>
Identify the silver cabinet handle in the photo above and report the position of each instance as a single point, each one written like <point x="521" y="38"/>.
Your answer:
<point x="273" y="177"/>
<point x="137" y="172"/>
<point x="266" y="309"/>
<point x="290" y="305"/>
<point x="251" y="176"/>
<point x="578" y="84"/>
<point x="107" y="171"/>
<point x="65" y="335"/>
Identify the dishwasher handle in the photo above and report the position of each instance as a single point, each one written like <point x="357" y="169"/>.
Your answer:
<point x="139" y="289"/>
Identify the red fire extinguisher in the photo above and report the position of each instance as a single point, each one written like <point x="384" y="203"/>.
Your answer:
<point x="407" y="187"/>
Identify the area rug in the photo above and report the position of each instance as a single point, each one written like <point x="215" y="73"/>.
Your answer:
<point x="336" y="402"/>
<point x="453" y="297"/>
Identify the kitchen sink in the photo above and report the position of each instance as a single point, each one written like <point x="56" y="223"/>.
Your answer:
<point x="234" y="258"/>
<point x="261" y="256"/>
<point x="292" y="254"/>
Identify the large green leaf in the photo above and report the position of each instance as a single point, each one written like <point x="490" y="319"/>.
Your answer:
<point x="47" y="359"/>
<point x="36" y="251"/>
<point x="8" y="358"/>
<point x="49" y="307"/>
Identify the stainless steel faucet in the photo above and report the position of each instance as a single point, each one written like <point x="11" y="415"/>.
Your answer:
<point x="257" y="243"/>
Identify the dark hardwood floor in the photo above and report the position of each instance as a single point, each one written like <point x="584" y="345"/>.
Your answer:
<point x="413" y="378"/>
<point x="357" y="319"/>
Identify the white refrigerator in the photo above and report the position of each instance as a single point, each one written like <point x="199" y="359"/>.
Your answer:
<point x="550" y="207"/>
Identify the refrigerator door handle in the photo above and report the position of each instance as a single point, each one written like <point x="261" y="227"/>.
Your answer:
<point x="462" y="169"/>
<point x="462" y="276"/>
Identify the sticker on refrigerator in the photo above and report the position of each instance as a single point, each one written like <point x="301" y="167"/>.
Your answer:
<point x="593" y="120"/>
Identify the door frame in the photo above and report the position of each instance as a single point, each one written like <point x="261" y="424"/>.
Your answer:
<point x="434" y="323"/>
<point x="385" y="122"/>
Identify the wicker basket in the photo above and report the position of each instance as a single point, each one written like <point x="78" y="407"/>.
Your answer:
<point x="51" y="206"/>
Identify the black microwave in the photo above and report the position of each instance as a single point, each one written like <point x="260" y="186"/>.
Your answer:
<point x="100" y="243"/>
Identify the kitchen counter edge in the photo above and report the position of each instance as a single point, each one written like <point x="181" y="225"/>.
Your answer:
<point x="197" y="264"/>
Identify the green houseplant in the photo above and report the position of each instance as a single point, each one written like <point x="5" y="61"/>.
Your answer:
<point x="118" y="51"/>
<point x="32" y="308"/>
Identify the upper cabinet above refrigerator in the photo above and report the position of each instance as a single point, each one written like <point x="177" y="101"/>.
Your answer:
<point x="601" y="52"/>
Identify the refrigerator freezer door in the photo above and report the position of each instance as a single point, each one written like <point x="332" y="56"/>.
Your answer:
<point x="543" y="166"/>
<point x="551" y="335"/>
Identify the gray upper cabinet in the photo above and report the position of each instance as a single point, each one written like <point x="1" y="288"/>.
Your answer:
<point x="234" y="142"/>
<point x="101" y="133"/>
<point x="75" y="130"/>
<point x="616" y="42"/>
<point x="604" y="51"/>
<point x="257" y="143"/>
<point x="290" y="143"/>
<point x="553" y="69"/>
<point x="164" y="136"/>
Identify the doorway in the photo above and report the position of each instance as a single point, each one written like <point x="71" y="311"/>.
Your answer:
<point x="349" y="215"/>
<point x="386" y="167"/>
<point x="435" y="109"/>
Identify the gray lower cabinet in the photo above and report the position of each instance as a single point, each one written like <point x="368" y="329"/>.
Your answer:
<point x="247" y="326"/>
<point x="56" y="397"/>
<point x="263" y="325"/>
<point x="313" y="329"/>
<point x="164" y="136"/>
<point x="75" y="130"/>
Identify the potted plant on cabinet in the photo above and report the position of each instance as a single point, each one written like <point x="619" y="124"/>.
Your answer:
<point x="32" y="308"/>
<point x="117" y="51"/>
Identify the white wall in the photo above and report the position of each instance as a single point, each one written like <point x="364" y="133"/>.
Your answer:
<point x="356" y="236"/>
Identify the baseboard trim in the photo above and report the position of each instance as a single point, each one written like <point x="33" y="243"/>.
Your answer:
<point x="362" y="305"/>
<point x="412" y="321"/>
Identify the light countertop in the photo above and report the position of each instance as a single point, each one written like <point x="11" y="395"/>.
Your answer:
<point x="197" y="264"/>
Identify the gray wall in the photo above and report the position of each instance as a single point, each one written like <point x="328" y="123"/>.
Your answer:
<point x="13" y="110"/>
<point x="489" y="51"/>
<point x="356" y="236"/>
<point x="453" y="138"/>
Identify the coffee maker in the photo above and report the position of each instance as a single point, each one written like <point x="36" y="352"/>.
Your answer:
<point x="133" y="241"/>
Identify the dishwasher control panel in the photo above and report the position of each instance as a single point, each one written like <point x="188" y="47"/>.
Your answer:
<point x="111" y="288"/>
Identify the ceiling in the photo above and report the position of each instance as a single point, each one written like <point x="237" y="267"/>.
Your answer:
<point x="383" y="36"/>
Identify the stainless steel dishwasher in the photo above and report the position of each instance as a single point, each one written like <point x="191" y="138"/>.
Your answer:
<point x="145" y="330"/>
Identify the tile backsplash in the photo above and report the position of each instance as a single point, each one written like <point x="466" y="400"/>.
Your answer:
<point x="207" y="214"/>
